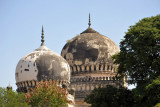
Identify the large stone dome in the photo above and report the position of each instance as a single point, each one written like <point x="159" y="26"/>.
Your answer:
<point x="88" y="48"/>
<point x="42" y="64"/>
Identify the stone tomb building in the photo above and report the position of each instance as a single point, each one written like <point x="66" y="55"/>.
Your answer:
<point x="85" y="63"/>
<point x="89" y="56"/>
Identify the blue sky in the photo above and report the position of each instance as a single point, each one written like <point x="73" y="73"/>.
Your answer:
<point x="21" y="22"/>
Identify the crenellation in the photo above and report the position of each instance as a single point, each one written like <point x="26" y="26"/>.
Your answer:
<point x="87" y="87"/>
<point x="107" y="78"/>
<point x="83" y="87"/>
<point x="83" y="68"/>
<point x="29" y="84"/>
<point x="71" y="68"/>
<point x="97" y="67"/>
<point x="78" y="69"/>
<point x="74" y="68"/>
<point x="87" y="68"/>
<point x="26" y="83"/>
<point x="92" y="68"/>
<point x="101" y="69"/>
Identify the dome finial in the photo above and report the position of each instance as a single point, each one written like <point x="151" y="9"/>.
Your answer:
<point x="42" y="37"/>
<point x="89" y="21"/>
<point x="9" y="86"/>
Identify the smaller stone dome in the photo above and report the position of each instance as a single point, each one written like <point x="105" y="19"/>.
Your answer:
<point x="43" y="64"/>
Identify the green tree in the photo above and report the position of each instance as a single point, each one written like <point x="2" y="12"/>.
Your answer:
<point x="47" y="94"/>
<point x="139" y="55"/>
<point x="139" y="58"/>
<point x="110" y="97"/>
<point x="9" y="98"/>
<point x="152" y="93"/>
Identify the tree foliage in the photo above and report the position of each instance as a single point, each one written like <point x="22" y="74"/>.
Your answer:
<point x="139" y="58"/>
<point x="147" y="95"/>
<point x="110" y="97"/>
<point x="9" y="98"/>
<point x="139" y="55"/>
<point x="151" y="95"/>
<point x="47" y="94"/>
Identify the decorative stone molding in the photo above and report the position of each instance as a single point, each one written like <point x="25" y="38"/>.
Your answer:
<point x="76" y="69"/>
<point x="25" y="85"/>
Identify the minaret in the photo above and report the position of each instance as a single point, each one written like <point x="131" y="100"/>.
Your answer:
<point x="42" y="38"/>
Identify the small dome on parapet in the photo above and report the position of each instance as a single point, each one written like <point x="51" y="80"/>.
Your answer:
<point x="9" y="87"/>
